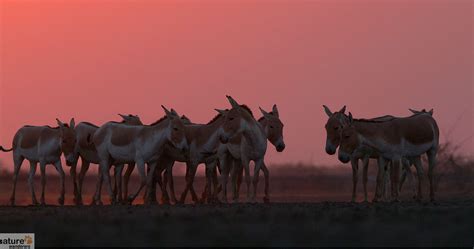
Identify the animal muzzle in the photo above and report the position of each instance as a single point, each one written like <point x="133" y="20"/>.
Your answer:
<point x="280" y="147"/>
<point x="330" y="149"/>
<point x="343" y="157"/>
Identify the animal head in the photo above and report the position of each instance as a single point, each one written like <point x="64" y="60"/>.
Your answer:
<point x="423" y="111"/>
<point x="67" y="140"/>
<point x="349" y="141"/>
<point x="237" y="119"/>
<point x="131" y="119"/>
<point x="176" y="136"/>
<point x="333" y="128"/>
<point x="273" y="128"/>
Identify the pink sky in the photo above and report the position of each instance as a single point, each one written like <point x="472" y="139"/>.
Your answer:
<point x="93" y="59"/>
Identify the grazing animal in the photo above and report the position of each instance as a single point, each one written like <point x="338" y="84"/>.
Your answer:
<point x="88" y="154"/>
<point x="272" y="126"/>
<point x="45" y="145"/>
<point x="142" y="144"/>
<point x="394" y="139"/>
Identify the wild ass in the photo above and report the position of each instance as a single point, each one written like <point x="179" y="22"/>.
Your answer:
<point x="333" y="135"/>
<point x="88" y="154"/>
<point x="250" y="145"/>
<point x="141" y="144"/>
<point x="272" y="126"/>
<point x="45" y="145"/>
<point x="166" y="161"/>
<point x="394" y="140"/>
<point x="206" y="138"/>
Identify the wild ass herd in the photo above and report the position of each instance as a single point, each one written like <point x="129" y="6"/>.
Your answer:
<point x="226" y="144"/>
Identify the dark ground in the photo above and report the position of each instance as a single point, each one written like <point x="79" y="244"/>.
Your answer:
<point x="447" y="223"/>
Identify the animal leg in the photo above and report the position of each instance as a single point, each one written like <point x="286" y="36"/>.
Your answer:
<point x="224" y="162"/>
<point x="149" y="182"/>
<point x="72" y="172"/>
<point x="364" y="177"/>
<point x="104" y="167"/>
<point x="419" y="172"/>
<point x="143" y="181"/>
<point x="43" y="181"/>
<point x="126" y="179"/>
<point x="82" y="174"/>
<point x="256" y="174"/>
<point x="266" y="199"/>
<point x="17" y="160"/>
<point x="118" y="182"/>
<point x="380" y="175"/>
<point x="97" y="200"/>
<point x="355" y="167"/>
<point x="31" y="182"/>
<point x="431" y="165"/>
<point x="60" y="170"/>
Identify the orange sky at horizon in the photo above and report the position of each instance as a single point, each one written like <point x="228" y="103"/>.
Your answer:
<point x="93" y="59"/>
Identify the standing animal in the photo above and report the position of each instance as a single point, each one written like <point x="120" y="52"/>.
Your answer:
<point x="206" y="138"/>
<point x="395" y="139"/>
<point x="251" y="144"/>
<point x="45" y="145"/>
<point x="333" y="136"/>
<point x="88" y="154"/>
<point x="142" y="144"/>
<point x="166" y="161"/>
<point x="272" y="128"/>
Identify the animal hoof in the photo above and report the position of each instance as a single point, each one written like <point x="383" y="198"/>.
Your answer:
<point x="266" y="200"/>
<point x="130" y="199"/>
<point x="43" y="203"/>
<point x="61" y="201"/>
<point x="12" y="201"/>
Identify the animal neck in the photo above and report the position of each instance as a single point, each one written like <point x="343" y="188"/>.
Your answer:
<point x="255" y="133"/>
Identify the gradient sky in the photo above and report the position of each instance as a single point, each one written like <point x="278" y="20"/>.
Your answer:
<point x="93" y="59"/>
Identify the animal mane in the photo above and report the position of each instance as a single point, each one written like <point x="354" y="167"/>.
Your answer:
<point x="245" y="107"/>
<point x="377" y="119"/>
<point x="159" y="120"/>
<point x="218" y="115"/>
<point x="91" y="124"/>
<point x="262" y="117"/>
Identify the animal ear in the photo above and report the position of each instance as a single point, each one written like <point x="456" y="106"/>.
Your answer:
<point x="72" y="123"/>
<point x="60" y="123"/>
<point x="220" y="111"/>
<point x="275" y="111"/>
<point x="343" y="109"/>
<point x="328" y="112"/>
<point x="167" y="112"/>
<point x="413" y="111"/>
<point x="351" y="120"/>
<point x="265" y="114"/>
<point x="123" y="116"/>
<point x="431" y="112"/>
<point x="232" y="102"/>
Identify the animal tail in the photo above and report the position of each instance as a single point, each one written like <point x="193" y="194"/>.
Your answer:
<point x="5" y="150"/>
